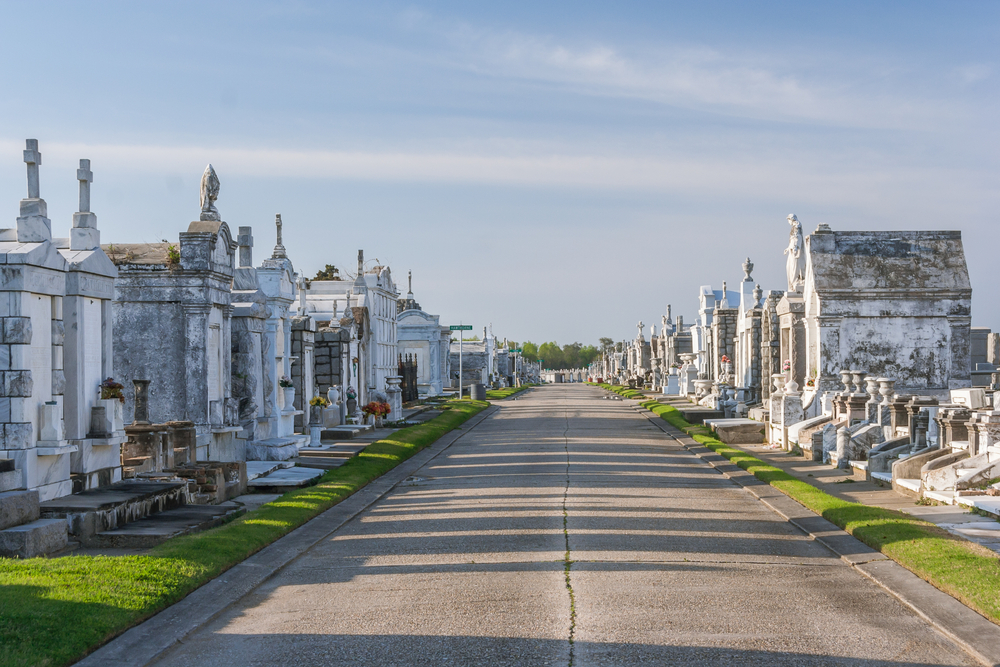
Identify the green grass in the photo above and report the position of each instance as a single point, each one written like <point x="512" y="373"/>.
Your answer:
<point x="965" y="570"/>
<point x="54" y="611"/>
<point x="499" y="394"/>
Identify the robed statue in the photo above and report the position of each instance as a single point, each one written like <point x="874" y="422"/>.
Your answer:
<point x="209" y="193"/>
<point x="795" y="264"/>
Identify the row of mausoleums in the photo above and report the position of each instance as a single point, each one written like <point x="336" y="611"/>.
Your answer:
<point x="133" y="360"/>
<point x="867" y="360"/>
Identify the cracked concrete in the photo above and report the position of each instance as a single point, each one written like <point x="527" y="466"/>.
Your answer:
<point x="472" y="560"/>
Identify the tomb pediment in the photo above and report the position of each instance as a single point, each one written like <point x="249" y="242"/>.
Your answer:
<point x="90" y="261"/>
<point x="43" y="254"/>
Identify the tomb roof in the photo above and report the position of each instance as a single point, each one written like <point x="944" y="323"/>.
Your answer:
<point x="900" y="260"/>
<point x="138" y="253"/>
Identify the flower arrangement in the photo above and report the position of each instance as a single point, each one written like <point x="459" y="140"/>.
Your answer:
<point x="351" y="394"/>
<point x="811" y="382"/>
<point x="318" y="402"/>
<point x="787" y="366"/>
<point x="378" y="409"/>
<point x="112" y="389"/>
<point x="285" y="382"/>
<point x="725" y="359"/>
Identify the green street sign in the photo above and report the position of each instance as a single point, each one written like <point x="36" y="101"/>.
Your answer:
<point x="461" y="327"/>
<point x="516" y="349"/>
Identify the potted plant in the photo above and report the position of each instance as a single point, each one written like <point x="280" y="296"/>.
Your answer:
<point x="289" y="391"/>
<point x="112" y="398"/>
<point x="369" y="409"/>
<point x="316" y="405"/>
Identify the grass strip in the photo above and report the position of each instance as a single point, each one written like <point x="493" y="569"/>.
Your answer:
<point x="499" y="394"/>
<point x="963" y="569"/>
<point x="53" y="611"/>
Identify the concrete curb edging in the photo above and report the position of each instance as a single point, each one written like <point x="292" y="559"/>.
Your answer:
<point x="976" y="634"/>
<point x="148" y="641"/>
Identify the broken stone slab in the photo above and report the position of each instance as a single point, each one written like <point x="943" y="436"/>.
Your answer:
<point x="37" y="538"/>
<point x="18" y="507"/>
<point x="737" y="431"/>
<point x="287" y="479"/>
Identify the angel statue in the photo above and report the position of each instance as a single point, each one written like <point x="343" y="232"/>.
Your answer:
<point x="795" y="265"/>
<point x="209" y="193"/>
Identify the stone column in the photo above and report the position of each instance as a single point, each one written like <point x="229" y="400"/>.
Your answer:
<point x="196" y="317"/>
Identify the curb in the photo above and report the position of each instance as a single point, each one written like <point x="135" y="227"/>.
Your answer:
<point x="148" y="641"/>
<point x="974" y="633"/>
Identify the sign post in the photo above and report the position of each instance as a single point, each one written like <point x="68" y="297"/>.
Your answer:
<point x="460" y="328"/>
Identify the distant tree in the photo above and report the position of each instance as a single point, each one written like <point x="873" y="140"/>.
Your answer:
<point x="552" y="355"/>
<point x="329" y="273"/>
<point x="587" y="354"/>
<point x="529" y="350"/>
<point x="607" y="345"/>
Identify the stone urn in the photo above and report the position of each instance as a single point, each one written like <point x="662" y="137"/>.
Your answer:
<point x="315" y="415"/>
<point x="845" y="379"/>
<point x="886" y="388"/>
<point x="779" y="384"/>
<point x="333" y="395"/>
<point x="289" y="398"/>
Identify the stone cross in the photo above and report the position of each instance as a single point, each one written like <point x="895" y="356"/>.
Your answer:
<point x="33" y="159"/>
<point x="641" y="327"/>
<point x="409" y="277"/>
<point x="245" y="241"/>
<point x="86" y="177"/>
<point x="279" y="250"/>
<point x="300" y="282"/>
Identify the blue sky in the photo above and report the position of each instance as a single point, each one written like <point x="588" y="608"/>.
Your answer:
<point x="561" y="170"/>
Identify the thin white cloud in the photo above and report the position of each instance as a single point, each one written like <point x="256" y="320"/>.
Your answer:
<point x="784" y="86"/>
<point x="798" y="176"/>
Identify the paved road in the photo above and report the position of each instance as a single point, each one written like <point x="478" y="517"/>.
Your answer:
<point x="567" y="516"/>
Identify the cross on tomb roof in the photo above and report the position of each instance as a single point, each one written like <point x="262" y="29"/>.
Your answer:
<point x="33" y="159"/>
<point x="86" y="177"/>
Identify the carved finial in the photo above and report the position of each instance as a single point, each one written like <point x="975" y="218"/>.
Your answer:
<point x="757" y="294"/>
<point x="747" y="269"/>
<point x="279" y="249"/>
<point x="209" y="193"/>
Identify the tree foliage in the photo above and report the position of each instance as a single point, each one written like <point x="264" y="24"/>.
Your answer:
<point x="330" y="272"/>
<point x="554" y="357"/>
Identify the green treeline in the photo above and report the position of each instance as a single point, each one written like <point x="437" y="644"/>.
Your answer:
<point x="574" y="355"/>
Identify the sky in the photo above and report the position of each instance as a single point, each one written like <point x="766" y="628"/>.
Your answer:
<point x="557" y="170"/>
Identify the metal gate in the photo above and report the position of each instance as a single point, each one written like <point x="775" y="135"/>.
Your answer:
<point x="408" y="371"/>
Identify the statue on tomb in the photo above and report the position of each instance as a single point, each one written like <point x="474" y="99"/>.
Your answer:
<point x="795" y="265"/>
<point x="209" y="193"/>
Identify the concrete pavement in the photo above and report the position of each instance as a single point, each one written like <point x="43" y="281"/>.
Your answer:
<point x="566" y="529"/>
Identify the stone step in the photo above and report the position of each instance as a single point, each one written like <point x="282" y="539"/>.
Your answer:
<point x="157" y="528"/>
<point x="18" y="507"/>
<point x="319" y="462"/>
<point x="36" y="538"/>
<point x="11" y="480"/>
<point x="257" y="469"/>
<point x="286" y="479"/>
<point x="107" y="508"/>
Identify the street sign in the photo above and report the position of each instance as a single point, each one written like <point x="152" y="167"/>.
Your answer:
<point x="516" y="349"/>
<point x="461" y="327"/>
